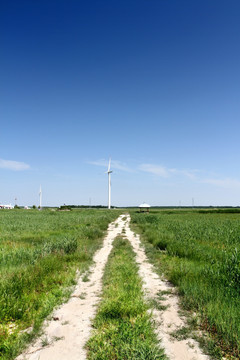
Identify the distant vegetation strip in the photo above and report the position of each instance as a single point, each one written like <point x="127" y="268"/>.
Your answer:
<point x="123" y="327"/>
<point x="200" y="253"/>
<point x="40" y="252"/>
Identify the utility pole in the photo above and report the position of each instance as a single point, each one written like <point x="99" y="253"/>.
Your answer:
<point x="109" y="184"/>
<point x="40" y="198"/>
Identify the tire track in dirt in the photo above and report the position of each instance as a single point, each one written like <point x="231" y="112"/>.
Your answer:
<point x="64" y="338"/>
<point x="169" y="320"/>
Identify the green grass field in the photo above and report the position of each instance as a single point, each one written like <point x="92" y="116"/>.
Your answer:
<point x="199" y="252"/>
<point x="40" y="252"/>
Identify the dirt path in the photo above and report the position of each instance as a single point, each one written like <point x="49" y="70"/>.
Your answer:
<point x="68" y="331"/>
<point x="168" y="320"/>
<point x="64" y="338"/>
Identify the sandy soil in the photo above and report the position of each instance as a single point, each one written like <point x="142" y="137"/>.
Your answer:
<point x="69" y="329"/>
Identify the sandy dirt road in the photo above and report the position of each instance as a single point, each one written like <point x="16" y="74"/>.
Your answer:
<point x="65" y="335"/>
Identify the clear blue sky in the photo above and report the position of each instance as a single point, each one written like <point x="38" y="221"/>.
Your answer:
<point x="155" y="84"/>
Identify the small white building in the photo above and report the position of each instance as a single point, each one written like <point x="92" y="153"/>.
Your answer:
<point x="144" y="207"/>
<point x="9" y="206"/>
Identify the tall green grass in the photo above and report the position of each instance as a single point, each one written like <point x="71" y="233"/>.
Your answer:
<point x="123" y="328"/>
<point x="200" y="253"/>
<point x="40" y="252"/>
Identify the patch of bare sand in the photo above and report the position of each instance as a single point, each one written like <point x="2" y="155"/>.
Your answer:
<point x="168" y="320"/>
<point x="66" y="334"/>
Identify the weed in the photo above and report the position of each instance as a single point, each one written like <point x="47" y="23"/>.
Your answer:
<point x="82" y="296"/>
<point x="164" y="292"/>
<point x="85" y="277"/>
<point x="182" y="333"/>
<point x="57" y="338"/>
<point x="45" y="341"/>
<point x="65" y="322"/>
<point x="156" y="304"/>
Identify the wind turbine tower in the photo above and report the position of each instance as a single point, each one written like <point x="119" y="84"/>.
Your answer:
<point x="40" y="197"/>
<point x="109" y="184"/>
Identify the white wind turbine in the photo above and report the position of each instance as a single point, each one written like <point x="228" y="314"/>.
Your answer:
<point x="109" y="184"/>
<point x="40" y="197"/>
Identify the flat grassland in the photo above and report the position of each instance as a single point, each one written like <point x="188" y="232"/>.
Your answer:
<point x="199" y="252"/>
<point x="40" y="253"/>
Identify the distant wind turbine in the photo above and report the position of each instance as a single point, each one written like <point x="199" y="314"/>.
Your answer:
<point x="40" y="197"/>
<point x="109" y="184"/>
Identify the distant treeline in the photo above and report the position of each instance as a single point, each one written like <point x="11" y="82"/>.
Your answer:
<point x="200" y="209"/>
<point x="220" y="211"/>
<point x="197" y="208"/>
<point x="84" y="207"/>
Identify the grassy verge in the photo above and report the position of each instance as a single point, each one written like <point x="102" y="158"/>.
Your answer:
<point x="199" y="253"/>
<point x="40" y="252"/>
<point x="123" y="328"/>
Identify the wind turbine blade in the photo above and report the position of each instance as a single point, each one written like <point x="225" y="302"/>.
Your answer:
<point x="109" y="164"/>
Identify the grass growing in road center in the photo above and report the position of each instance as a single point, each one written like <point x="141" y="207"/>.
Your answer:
<point x="123" y="328"/>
